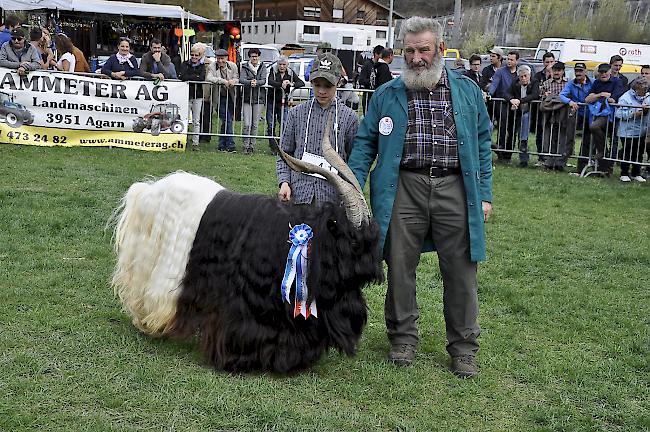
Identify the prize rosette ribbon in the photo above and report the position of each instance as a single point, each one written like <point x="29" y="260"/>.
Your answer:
<point x="296" y="269"/>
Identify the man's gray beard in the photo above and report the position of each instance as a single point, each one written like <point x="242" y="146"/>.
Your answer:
<point x="426" y="79"/>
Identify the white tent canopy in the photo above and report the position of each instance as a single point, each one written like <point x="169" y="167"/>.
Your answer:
<point x="103" y="7"/>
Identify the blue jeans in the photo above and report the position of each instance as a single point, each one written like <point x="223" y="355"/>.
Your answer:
<point x="226" y="108"/>
<point x="523" y="137"/>
<point x="275" y="114"/>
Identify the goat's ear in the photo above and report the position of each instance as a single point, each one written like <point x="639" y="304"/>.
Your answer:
<point x="333" y="227"/>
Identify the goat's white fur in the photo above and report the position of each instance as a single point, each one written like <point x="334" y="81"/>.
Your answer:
<point x="157" y="223"/>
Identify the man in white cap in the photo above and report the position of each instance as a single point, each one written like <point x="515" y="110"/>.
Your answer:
<point x="496" y="57"/>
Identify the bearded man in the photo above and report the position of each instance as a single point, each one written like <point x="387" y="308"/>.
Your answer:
<point x="431" y="188"/>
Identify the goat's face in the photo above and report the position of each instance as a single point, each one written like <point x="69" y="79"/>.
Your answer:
<point x="344" y="259"/>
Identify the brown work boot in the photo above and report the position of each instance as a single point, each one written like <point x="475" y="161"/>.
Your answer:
<point x="463" y="366"/>
<point x="402" y="354"/>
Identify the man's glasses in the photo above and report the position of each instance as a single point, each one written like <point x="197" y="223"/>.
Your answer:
<point x="476" y="64"/>
<point x="17" y="38"/>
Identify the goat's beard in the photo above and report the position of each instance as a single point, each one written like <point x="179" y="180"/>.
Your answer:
<point x="425" y="79"/>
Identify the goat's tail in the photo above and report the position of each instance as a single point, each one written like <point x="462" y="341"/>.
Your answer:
<point x="156" y="223"/>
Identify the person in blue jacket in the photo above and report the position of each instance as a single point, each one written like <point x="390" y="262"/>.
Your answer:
<point x="122" y="65"/>
<point x="429" y="133"/>
<point x="499" y="89"/>
<point x="574" y="94"/>
<point x="11" y="22"/>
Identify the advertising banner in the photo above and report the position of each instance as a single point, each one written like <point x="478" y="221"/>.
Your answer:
<point x="63" y="109"/>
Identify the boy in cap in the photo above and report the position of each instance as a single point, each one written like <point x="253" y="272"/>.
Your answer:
<point x="303" y="133"/>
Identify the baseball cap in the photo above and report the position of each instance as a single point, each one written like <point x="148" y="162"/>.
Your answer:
<point x="18" y="32"/>
<point x="580" y="66"/>
<point x="221" y="53"/>
<point x="326" y="66"/>
<point x="496" y="50"/>
<point x="604" y="67"/>
<point x="558" y="66"/>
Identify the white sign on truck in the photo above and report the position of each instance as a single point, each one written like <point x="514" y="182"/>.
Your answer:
<point x="590" y="50"/>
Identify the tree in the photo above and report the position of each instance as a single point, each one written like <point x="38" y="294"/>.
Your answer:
<point x="612" y="22"/>
<point x="550" y="18"/>
<point x="474" y="38"/>
<point x="477" y="42"/>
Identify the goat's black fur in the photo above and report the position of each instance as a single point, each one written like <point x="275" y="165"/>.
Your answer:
<point x="231" y="288"/>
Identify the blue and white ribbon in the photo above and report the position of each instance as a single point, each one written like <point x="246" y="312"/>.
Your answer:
<point x="299" y="236"/>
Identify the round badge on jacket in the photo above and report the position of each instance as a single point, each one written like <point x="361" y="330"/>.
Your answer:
<point x="385" y="126"/>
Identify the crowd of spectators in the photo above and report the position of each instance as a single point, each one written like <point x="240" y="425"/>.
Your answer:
<point x="610" y="112"/>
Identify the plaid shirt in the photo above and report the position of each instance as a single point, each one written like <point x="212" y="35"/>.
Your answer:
<point x="304" y="188"/>
<point x="431" y="134"/>
<point x="553" y="86"/>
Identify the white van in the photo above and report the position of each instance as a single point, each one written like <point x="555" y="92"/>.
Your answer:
<point x="589" y="50"/>
<point x="299" y="63"/>
<point x="269" y="53"/>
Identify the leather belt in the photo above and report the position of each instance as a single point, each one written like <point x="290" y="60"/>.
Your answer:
<point x="434" y="172"/>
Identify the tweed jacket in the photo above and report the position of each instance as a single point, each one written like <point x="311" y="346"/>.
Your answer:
<point x="305" y="188"/>
<point x="389" y="105"/>
<point x="219" y="77"/>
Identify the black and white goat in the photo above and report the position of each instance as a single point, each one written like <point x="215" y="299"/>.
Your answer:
<point x="195" y="259"/>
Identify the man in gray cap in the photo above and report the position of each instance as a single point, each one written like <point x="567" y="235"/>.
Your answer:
<point x="303" y="134"/>
<point x="225" y="75"/>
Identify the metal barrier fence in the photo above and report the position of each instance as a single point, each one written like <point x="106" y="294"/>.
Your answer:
<point x="559" y="132"/>
<point x="236" y="110"/>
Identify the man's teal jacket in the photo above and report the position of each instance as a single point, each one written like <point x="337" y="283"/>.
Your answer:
<point x="474" y="151"/>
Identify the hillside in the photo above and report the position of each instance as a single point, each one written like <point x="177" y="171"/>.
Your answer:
<point x="431" y="7"/>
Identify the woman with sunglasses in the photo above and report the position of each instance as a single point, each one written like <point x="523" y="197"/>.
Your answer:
<point x="121" y="65"/>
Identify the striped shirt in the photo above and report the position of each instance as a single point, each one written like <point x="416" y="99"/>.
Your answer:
<point x="431" y="133"/>
<point x="304" y="188"/>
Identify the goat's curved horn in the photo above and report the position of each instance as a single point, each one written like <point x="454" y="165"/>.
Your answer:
<point x="355" y="204"/>
<point x="358" y="205"/>
<point x="353" y="210"/>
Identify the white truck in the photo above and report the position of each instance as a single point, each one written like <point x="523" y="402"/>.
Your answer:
<point x="590" y="50"/>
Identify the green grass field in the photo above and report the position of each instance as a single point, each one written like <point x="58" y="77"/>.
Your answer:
<point x="565" y="311"/>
